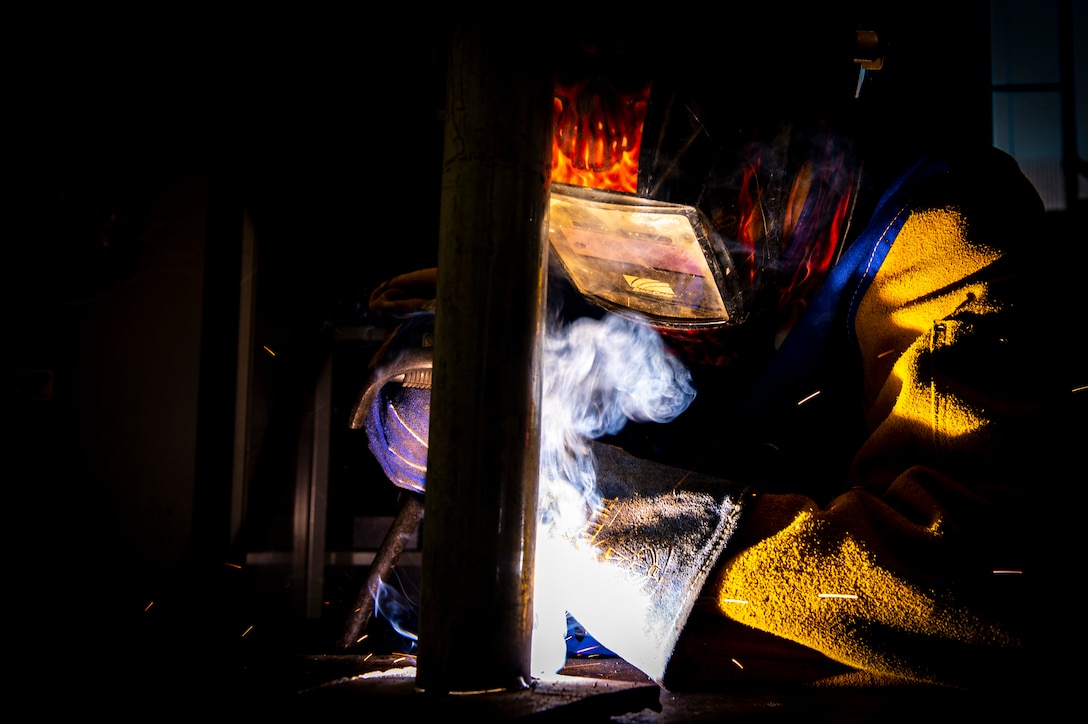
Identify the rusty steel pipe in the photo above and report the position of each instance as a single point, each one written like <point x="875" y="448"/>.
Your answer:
<point x="482" y="471"/>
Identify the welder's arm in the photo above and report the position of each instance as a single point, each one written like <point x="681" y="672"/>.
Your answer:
<point x="918" y="570"/>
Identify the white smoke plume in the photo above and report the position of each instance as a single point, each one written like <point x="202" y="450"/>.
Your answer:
<point x="597" y="375"/>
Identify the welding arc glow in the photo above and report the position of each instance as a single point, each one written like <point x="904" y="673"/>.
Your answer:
<point x="596" y="375"/>
<point x="396" y="608"/>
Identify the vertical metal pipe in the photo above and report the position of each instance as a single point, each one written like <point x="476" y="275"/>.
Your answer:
<point x="482" y="471"/>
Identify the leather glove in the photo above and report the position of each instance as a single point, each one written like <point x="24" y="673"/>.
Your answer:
<point x="632" y="576"/>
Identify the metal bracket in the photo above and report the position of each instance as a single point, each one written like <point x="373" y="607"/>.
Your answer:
<point x="868" y="55"/>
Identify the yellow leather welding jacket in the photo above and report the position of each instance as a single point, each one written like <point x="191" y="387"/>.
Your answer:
<point x="931" y="363"/>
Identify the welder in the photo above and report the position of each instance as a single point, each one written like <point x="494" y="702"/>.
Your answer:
<point x="875" y="369"/>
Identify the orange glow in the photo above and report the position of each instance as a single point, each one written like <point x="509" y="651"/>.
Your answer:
<point x="814" y="221"/>
<point x="750" y="211"/>
<point x="598" y="135"/>
<point x="814" y="224"/>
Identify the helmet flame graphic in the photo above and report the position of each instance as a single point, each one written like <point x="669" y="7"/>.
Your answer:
<point x="598" y="135"/>
<point x="812" y="226"/>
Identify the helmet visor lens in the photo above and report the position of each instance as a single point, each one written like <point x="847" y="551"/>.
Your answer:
<point x="630" y="253"/>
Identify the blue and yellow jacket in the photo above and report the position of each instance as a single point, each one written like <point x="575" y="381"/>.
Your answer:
<point x="929" y="373"/>
<point x="894" y="451"/>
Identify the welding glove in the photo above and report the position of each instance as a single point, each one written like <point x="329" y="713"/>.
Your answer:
<point x="632" y="575"/>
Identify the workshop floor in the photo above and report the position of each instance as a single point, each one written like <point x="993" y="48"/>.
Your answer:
<point x="608" y="690"/>
<point x="173" y="680"/>
<point x="197" y="657"/>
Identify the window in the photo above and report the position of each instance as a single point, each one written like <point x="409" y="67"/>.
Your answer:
<point x="1039" y="110"/>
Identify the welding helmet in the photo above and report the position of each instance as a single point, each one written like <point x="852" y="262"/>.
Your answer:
<point x="704" y="202"/>
<point x="709" y="208"/>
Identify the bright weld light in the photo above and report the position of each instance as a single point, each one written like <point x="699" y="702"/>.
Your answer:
<point x="837" y="595"/>
<point x="388" y="673"/>
<point x="806" y="399"/>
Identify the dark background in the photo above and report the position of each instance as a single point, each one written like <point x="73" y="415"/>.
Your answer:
<point x="140" y="145"/>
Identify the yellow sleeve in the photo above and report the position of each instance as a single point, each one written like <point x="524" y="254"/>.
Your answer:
<point x="915" y="571"/>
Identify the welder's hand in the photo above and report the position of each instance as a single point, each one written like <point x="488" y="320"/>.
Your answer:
<point x="632" y="575"/>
